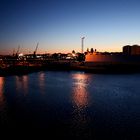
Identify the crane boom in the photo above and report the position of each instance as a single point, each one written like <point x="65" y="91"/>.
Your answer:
<point x="13" y="52"/>
<point x="36" y="48"/>
<point x="18" y="50"/>
<point x="34" y="54"/>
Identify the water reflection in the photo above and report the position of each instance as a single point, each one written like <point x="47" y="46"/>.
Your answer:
<point x="22" y="84"/>
<point x="42" y="82"/>
<point x="80" y="99"/>
<point x="80" y="94"/>
<point x="3" y="110"/>
<point x="2" y="98"/>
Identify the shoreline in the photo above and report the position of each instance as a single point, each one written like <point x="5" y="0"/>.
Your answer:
<point x="95" y="69"/>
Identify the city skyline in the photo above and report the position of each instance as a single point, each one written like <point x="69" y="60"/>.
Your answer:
<point x="58" y="25"/>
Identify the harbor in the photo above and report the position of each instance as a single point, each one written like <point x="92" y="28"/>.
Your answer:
<point x="94" y="62"/>
<point x="24" y="67"/>
<point x="70" y="69"/>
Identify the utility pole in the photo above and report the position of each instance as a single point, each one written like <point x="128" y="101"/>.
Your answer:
<point x="82" y="44"/>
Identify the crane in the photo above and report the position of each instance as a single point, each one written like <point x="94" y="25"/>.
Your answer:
<point x="17" y="51"/>
<point x="35" y="50"/>
<point x="13" y="52"/>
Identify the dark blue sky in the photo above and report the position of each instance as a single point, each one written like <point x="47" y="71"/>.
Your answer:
<point x="58" y="25"/>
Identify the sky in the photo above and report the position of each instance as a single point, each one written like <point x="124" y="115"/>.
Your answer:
<point x="59" y="25"/>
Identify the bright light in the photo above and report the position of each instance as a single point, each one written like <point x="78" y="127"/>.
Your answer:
<point x="20" y="55"/>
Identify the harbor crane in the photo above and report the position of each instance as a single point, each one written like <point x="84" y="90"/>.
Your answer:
<point x="34" y="54"/>
<point x="13" y="52"/>
<point x="17" y="51"/>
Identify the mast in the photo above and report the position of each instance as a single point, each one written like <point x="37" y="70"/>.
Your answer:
<point x="82" y="44"/>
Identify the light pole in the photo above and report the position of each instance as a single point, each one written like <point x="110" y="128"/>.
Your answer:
<point x="82" y="44"/>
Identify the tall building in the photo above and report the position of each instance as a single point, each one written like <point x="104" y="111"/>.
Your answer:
<point x="131" y="50"/>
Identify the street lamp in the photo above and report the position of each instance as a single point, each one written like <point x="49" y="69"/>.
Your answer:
<point x="82" y="44"/>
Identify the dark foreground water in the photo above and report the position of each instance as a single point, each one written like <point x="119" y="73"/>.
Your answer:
<point x="72" y="104"/>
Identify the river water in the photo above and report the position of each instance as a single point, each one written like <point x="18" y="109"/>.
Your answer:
<point x="72" y="104"/>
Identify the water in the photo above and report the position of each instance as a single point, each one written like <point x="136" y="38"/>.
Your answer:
<point x="72" y="104"/>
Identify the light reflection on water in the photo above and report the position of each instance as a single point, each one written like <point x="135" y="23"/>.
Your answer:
<point x="3" y="110"/>
<point x="22" y="84"/>
<point x="2" y="98"/>
<point x="41" y="79"/>
<point x="81" y="101"/>
<point x="80" y="93"/>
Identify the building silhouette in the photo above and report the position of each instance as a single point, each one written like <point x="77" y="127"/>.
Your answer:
<point x="131" y="50"/>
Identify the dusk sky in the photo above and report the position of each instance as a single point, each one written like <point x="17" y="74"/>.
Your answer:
<point x="58" y="25"/>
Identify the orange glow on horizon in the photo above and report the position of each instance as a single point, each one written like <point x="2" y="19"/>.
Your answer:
<point x="67" y="48"/>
